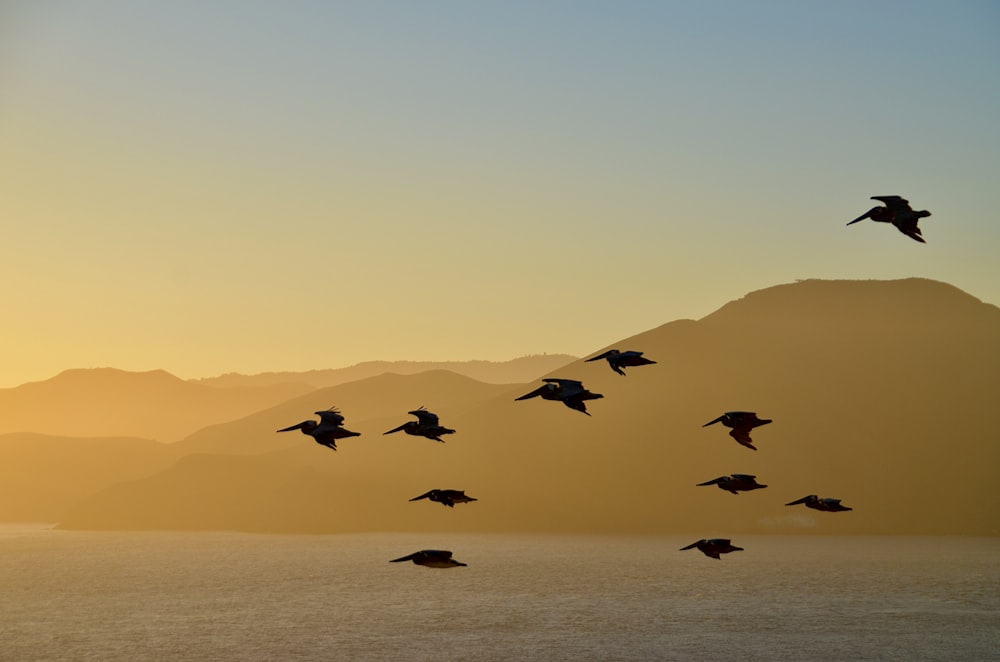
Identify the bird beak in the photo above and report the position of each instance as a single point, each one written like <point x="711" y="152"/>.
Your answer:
<point x="395" y="429"/>
<point x="293" y="427"/>
<point x="713" y="422"/>
<point x="867" y="214"/>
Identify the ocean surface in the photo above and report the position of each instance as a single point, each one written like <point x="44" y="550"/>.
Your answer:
<point x="233" y="596"/>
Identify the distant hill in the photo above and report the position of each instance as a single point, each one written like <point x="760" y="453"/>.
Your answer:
<point x="491" y="372"/>
<point x="42" y="475"/>
<point x="116" y="403"/>
<point x="882" y="394"/>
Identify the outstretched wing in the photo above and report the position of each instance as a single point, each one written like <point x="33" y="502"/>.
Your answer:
<point x="425" y="417"/>
<point x="743" y="437"/>
<point x="330" y="417"/>
<point x="894" y="202"/>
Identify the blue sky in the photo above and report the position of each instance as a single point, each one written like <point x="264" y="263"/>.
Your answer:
<point x="244" y="186"/>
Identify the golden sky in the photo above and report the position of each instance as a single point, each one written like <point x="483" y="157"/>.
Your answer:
<point x="234" y="186"/>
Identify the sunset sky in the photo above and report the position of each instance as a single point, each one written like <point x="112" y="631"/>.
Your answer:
<point x="234" y="185"/>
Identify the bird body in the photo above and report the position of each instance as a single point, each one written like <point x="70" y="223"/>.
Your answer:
<point x="431" y="558"/>
<point x="741" y="422"/>
<point x="427" y="425"/>
<point x="827" y="504"/>
<point x="618" y="360"/>
<point x="568" y="391"/>
<point x="898" y="212"/>
<point x="446" y="497"/>
<point x="327" y="431"/>
<point x="735" y="483"/>
<point x="713" y="547"/>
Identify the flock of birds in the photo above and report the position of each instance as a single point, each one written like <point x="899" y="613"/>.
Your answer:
<point x="574" y="395"/>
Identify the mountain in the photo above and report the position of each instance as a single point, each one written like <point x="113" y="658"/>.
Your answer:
<point x="42" y="475"/>
<point x="492" y="372"/>
<point x="881" y="392"/>
<point x="115" y="403"/>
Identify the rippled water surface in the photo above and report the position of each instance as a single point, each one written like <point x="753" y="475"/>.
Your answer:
<point x="232" y="596"/>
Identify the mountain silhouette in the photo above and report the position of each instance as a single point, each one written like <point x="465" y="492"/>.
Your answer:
<point x="880" y="392"/>
<point x="107" y="402"/>
<point x="514" y="371"/>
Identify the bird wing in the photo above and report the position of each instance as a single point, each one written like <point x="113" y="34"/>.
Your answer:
<point x="425" y="417"/>
<point x="564" y="383"/>
<point x="742" y="436"/>
<point x="895" y="203"/>
<point x="330" y="417"/>
<point x="744" y="477"/>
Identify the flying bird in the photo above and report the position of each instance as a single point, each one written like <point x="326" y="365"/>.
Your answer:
<point x="827" y="505"/>
<point x="898" y="212"/>
<point x="446" y="497"/>
<point x="618" y="360"/>
<point x="741" y="423"/>
<point x="431" y="558"/>
<point x="568" y="391"/>
<point x="426" y="425"/>
<point x="713" y="547"/>
<point x="327" y="431"/>
<point x="735" y="483"/>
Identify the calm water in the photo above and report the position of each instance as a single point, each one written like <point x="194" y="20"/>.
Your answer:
<point x="229" y="596"/>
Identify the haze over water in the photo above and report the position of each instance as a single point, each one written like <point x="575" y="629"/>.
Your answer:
<point x="228" y="596"/>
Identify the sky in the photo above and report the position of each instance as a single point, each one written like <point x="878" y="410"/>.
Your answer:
<point x="249" y="186"/>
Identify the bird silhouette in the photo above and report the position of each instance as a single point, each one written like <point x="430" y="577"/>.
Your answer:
<point x="446" y="497"/>
<point x="735" y="483"/>
<point x="713" y="547"/>
<point x="618" y="360"/>
<point x="827" y="505"/>
<point x="898" y="212"/>
<point x="426" y="425"/>
<point x="327" y="431"/>
<point x="431" y="558"/>
<point x="568" y="391"/>
<point x="741" y="423"/>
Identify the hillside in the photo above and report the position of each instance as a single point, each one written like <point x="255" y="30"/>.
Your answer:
<point x="107" y="402"/>
<point x="491" y="372"/>
<point x="877" y="390"/>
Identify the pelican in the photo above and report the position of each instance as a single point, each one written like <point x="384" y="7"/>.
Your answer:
<point x="898" y="212"/>
<point x="618" y="360"/>
<point x="713" y="547"/>
<point x="735" y="483"/>
<point x="827" y="505"/>
<point x="568" y="391"/>
<point x="741" y="423"/>
<point x="431" y="558"/>
<point x="327" y="431"/>
<point x="447" y="497"/>
<point x="426" y="425"/>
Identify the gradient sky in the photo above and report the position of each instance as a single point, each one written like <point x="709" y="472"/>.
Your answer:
<point x="235" y="185"/>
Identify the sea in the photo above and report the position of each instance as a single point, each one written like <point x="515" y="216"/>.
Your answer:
<point x="69" y="595"/>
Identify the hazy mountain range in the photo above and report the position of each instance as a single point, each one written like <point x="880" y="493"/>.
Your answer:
<point x="882" y="394"/>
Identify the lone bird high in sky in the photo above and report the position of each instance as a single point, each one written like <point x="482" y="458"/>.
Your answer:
<point x="327" y="431"/>
<point x="713" y="547"/>
<point x="568" y="391"/>
<point x="618" y="360"/>
<point x="741" y="422"/>
<point x="426" y="425"/>
<point x="827" y="504"/>
<point x="431" y="558"/>
<point x="447" y="497"/>
<point x="898" y="212"/>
